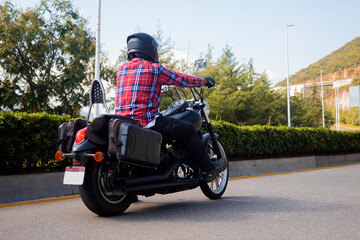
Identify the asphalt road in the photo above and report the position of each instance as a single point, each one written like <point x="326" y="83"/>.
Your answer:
<point x="322" y="204"/>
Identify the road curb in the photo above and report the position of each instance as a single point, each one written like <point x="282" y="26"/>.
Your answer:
<point x="274" y="165"/>
<point x="28" y="187"/>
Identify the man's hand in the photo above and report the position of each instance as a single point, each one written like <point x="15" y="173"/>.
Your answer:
<point x="209" y="82"/>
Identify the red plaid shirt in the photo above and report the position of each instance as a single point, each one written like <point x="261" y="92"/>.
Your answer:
<point x="138" y="85"/>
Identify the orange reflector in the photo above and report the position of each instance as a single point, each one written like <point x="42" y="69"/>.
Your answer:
<point x="98" y="156"/>
<point x="59" y="156"/>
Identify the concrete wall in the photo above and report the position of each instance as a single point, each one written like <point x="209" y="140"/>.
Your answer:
<point x="18" y="188"/>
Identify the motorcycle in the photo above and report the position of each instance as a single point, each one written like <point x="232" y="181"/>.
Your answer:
<point x="109" y="180"/>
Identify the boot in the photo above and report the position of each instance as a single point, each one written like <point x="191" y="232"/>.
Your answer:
<point x="215" y="169"/>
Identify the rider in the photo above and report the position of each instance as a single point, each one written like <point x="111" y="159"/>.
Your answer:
<point x="138" y="92"/>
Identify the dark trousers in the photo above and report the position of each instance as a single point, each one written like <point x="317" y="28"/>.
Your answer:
<point x="185" y="134"/>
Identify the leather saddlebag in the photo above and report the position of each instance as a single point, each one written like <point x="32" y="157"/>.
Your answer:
<point x="132" y="144"/>
<point x="67" y="133"/>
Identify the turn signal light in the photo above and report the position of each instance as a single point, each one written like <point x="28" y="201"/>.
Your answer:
<point x="98" y="156"/>
<point x="80" y="135"/>
<point x="59" y="156"/>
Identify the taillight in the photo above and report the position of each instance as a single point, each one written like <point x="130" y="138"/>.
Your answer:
<point x="80" y="135"/>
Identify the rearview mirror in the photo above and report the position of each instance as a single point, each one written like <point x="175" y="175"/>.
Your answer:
<point x="200" y="63"/>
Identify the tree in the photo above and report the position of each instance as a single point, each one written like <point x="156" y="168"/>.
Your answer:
<point x="45" y="54"/>
<point x="226" y="73"/>
<point x="245" y="97"/>
<point x="308" y="111"/>
<point x="278" y="109"/>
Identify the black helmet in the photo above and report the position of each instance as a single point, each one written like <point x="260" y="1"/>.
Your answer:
<point x="143" y="44"/>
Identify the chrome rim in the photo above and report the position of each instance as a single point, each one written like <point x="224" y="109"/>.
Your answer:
<point x="106" y="185"/>
<point x="219" y="183"/>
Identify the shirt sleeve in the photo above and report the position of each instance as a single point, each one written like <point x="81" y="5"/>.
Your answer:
<point x="167" y="77"/>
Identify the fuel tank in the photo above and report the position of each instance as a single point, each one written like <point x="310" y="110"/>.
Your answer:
<point x="189" y="116"/>
<point x="179" y="109"/>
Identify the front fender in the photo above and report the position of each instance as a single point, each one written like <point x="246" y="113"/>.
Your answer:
<point x="207" y="137"/>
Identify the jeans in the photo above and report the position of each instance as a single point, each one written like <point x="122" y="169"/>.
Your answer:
<point x="185" y="134"/>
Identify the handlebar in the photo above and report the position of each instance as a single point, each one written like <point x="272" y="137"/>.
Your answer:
<point x="196" y="95"/>
<point x="166" y="88"/>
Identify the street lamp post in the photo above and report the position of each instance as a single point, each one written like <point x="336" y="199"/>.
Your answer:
<point x="287" y="75"/>
<point x="359" y="103"/>
<point x="97" y="53"/>
<point x="322" y="98"/>
<point x="337" y="108"/>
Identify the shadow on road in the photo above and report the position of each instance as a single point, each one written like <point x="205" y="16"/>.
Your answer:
<point x="226" y="208"/>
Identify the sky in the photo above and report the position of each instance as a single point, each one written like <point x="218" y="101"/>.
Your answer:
<point x="252" y="28"/>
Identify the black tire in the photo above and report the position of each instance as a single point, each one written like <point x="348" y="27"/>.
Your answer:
<point x="97" y="191"/>
<point x="216" y="188"/>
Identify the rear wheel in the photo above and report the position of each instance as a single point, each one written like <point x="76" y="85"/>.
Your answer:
<point x="216" y="188"/>
<point x="99" y="192"/>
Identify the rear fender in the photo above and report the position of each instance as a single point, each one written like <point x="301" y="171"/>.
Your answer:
<point x="84" y="146"/>
<point x="80" y="150"/>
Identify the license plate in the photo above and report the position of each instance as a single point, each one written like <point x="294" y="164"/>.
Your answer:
<point x="74" y="175"/>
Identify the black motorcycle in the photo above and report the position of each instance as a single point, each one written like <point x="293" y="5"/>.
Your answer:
<point x="113" y="159"/>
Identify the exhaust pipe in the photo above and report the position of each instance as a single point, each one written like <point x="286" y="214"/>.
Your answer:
<point x="128" y="182"/>
<point x="166" y="187"/>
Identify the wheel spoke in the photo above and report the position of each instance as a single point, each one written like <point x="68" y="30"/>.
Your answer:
<point x="220" y="180"/>
<point x="217" y="183"/>
<point x="212" y="185"/>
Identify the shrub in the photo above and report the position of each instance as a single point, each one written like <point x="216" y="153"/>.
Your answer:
<point x="265" y="141"/>
<point x="28" y="141"/>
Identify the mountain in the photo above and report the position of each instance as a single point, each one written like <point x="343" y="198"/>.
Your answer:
<point x="340" y="64"/>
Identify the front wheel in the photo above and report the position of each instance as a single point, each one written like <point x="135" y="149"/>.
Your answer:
<point x="98" y="191"/>
<point x="216" y="188"/>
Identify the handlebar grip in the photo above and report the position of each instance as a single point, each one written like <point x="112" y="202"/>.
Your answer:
<point x="210" y="82"/>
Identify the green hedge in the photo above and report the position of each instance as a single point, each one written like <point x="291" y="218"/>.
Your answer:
<point x="263" y="141"/>
<point x="28" y="141"/>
